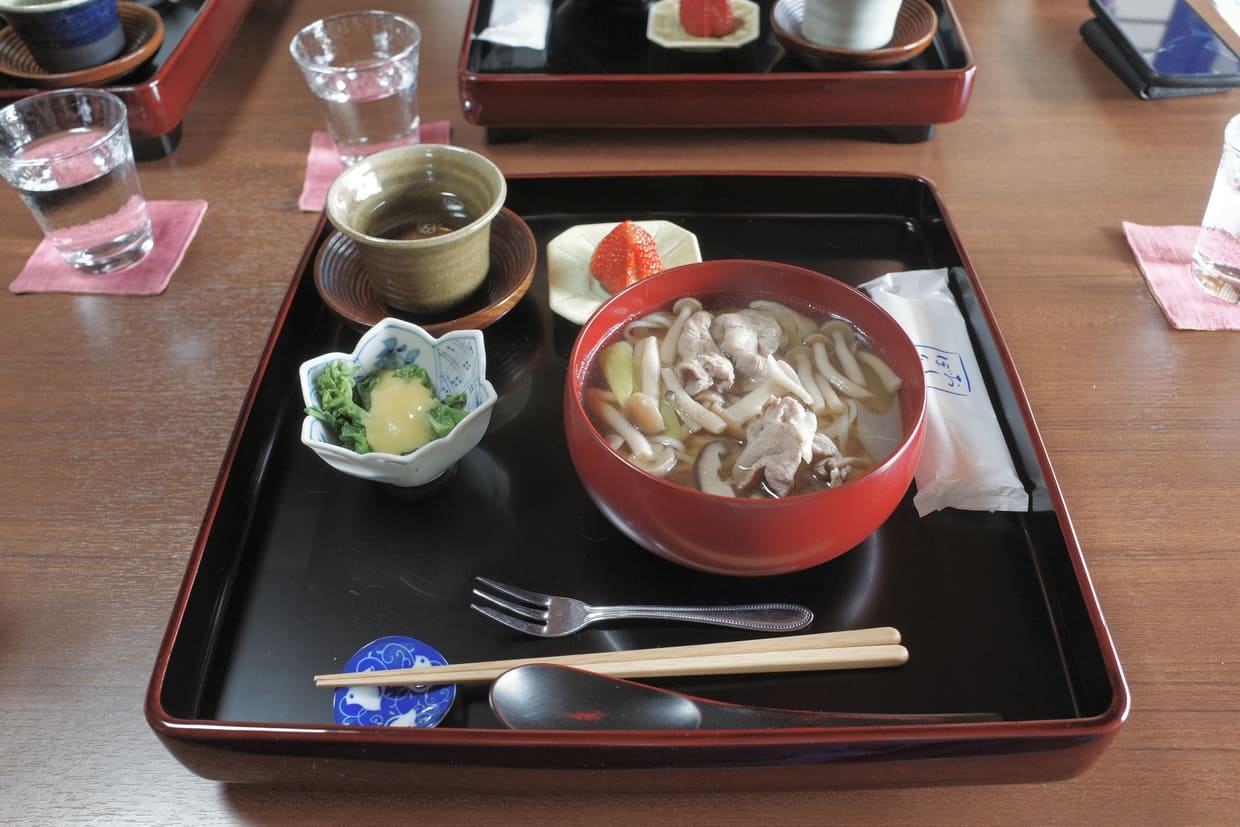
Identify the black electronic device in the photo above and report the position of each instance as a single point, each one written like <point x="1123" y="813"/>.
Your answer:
<point x="1161" y="48"/>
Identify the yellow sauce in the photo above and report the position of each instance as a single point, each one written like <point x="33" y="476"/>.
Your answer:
<point x="397" y="422"/>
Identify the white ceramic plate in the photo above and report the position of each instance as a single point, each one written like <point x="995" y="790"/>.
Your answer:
<point x="663" y="27"/>
<point x="575" y="294"/>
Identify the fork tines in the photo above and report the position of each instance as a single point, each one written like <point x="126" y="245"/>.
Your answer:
<point x="533" y="605"/>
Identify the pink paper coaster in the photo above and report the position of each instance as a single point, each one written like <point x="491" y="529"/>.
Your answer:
<point x="323" y="163"/>
<point x="174" y="224"/>
<point x="1164" y="254"/>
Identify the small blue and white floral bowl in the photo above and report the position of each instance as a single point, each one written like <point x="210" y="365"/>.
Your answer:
<point x="455" y="362"/>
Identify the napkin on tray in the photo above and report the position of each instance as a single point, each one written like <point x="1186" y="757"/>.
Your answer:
<point x="174" y="224"/>
<point x="1164" y="255"/>
<point x="323" y="162"/>
<point x="519" y="23"/>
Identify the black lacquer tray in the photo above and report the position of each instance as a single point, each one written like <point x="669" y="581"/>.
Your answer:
<point x="298" y="566"/>
<point x="598" y="69"/>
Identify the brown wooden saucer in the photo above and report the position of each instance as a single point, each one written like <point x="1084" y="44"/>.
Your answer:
<point x="344" y="288"/>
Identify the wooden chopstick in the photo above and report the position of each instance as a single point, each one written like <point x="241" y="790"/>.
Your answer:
<point x="855" y="649"/>
<point x="797" y="660"/>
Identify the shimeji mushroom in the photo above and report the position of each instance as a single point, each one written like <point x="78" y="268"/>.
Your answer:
<point x="639" y="446"/>
<point x="781" y="380"/>
<point x="890" y="382"/>
<point x="689" y="407"/>
<point x="838" y="430"/>
<point x="801" y="358"/>
<point x="640" y="328"/>
<point x="642" y="406"/>
<point x="835" y="404"/>
<point x="826" y="461"/>
<point x="796" y="326"/>
<point x="836" y="329"/>
<point x="661" y="464"/>
<point x="707" y="468"/>
<point x="683" y="308"/>
<point x="658" y="461"/>
<point x="646" y="358"/>
<point x="819" y="342"/>
<point x="784" y="377"/>
<point x="642" y="410"/>
<point x="826" y="399"/>
<point x="712" y="400"/>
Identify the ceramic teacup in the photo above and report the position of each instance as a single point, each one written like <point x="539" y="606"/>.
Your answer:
<point x="858" y="25"/>
<point x="67" y="35"/>
<point x="421" y="218"/>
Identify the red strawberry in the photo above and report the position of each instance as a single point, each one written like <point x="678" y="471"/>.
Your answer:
<point x="707" y="18"/>
<point x="625" y="254"/>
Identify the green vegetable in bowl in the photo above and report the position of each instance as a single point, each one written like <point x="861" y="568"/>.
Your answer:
<point x="618" y="369"/>
<point x="393" y="411"/>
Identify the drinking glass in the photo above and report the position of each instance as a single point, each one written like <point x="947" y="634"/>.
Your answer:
<point x="67" y="153"/>
<point x="1216" y="257"/>
<point x="363" y="69"/>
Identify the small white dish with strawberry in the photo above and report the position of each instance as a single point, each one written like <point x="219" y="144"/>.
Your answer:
<point x="703" y="25"/>
<point x="585" y="260"/>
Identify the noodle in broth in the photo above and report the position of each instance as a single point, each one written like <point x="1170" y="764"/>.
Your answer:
<point x="748" y="399"/>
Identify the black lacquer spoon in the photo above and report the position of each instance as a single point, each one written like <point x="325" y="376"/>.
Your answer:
<point x="549" y="696"/>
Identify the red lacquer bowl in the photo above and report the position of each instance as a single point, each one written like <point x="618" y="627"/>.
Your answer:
<point x="732" y="535"/>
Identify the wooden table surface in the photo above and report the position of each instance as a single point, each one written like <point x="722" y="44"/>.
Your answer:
<point x="118" y="411"/>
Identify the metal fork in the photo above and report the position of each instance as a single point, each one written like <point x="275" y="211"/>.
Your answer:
<point x="546" y="615"/>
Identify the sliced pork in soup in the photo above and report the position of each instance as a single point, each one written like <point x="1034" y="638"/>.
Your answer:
<point x="746" y="399"/>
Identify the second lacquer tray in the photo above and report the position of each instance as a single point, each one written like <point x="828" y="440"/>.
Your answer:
<point x="599" y="69"/>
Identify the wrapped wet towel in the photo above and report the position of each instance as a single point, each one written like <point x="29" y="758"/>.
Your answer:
<point x="965" y="463"/>
<point x="1164" y="255"/>
<point x="518" y="23"/>
<point x="174" y="224"/>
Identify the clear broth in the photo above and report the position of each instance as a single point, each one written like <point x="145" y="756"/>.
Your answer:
<point x="806" y="481"/>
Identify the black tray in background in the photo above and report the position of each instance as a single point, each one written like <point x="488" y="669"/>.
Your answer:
<point x="298" y="566"/>
<point x="598" y="69"/>
<point x="608" y="37"/>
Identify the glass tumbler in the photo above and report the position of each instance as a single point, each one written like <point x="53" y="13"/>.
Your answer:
<point x="1216" y="256"/>
<point x="363" y="69"/>
<point x="68" y="155"/>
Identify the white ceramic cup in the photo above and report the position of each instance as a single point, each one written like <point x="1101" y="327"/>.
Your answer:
<point x="858" y="25"/>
